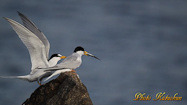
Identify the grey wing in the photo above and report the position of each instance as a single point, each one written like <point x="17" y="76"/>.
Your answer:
<point x="34" y="29"/>
<point x="33" y="43"/>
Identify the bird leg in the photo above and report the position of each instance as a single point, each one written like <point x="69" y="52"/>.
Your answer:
<point x="39" y="83"/>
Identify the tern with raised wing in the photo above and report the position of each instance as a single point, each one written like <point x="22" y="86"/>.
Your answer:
<point x="38" y="47"/>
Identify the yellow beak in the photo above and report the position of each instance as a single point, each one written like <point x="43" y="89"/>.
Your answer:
<point x="88" y="54"/>
<point x="63" y="57"/>
<point x="85" y="53"/>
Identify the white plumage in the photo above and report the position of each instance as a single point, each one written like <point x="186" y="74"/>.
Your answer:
<point x="38" y="47"/>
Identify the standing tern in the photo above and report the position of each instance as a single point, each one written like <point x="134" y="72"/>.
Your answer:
<point x="38" y="47"/>
<point x="70" y="62"/>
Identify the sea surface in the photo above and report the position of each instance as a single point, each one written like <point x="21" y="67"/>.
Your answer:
<point x="142" y="45"/>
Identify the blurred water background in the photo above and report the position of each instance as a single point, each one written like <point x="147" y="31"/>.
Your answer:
<point x="142" y="45"/>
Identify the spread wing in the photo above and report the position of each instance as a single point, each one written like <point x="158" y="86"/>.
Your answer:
<point x="34" y="29"/>
<point x="34" y="45"/>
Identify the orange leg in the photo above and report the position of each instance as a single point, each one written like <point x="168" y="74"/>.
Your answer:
<point x="39" y="83"/>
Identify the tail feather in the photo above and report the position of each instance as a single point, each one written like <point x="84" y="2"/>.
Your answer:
<point x="26" y="77"/>
<point x="9" y="77"/>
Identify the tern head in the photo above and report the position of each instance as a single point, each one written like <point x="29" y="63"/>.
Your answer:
<point x="53" y="60"/>
<point x="59" y="56"/>
<point x="81" y="51"/>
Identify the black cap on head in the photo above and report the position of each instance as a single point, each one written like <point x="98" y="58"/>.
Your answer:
<point x="79" y="48"/>
<point x="54" y="55"/>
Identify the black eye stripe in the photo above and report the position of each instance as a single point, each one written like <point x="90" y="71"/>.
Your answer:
<point x="54" y="55"/>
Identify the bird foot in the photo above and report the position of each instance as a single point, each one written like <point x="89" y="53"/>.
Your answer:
<point x="73" y="71"/>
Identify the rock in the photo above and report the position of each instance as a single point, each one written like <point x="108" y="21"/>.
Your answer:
<point x="66" y="89"/>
